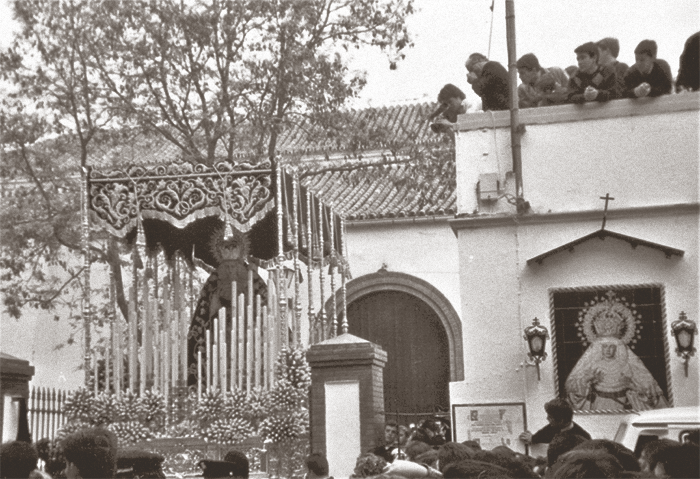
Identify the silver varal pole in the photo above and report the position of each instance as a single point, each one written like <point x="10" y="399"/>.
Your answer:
<point x="297" y="271"/>
<point x="282" y="296"/>
<point x="344" y="298"/>
<point x="86" y="309"/>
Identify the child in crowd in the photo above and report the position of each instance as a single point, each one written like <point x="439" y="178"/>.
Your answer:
<point x="534" y="91"/>
<point x="591" y="82"/>
<point x="647" y="77"/>
<point x="608" y="49"/>
<point x="452" y="102"/>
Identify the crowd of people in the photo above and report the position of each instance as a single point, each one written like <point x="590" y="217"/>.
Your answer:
<point x="571" y="453"/>
<point x="93" y="453"/>
<point x="598" y="76"/>
<point x="411" y="453"/>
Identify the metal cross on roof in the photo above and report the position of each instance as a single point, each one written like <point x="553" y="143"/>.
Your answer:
<point x="607" y="198"/>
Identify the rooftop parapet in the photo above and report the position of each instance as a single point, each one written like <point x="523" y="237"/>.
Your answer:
<point x="644" y="152"/>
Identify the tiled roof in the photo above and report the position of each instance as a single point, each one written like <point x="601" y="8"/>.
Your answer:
<point x="351" y="131"/>
<point x="369" y="192"/>
<point x="378" y="192"/>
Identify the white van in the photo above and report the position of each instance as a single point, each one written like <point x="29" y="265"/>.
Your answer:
<point x="672" y="423"/>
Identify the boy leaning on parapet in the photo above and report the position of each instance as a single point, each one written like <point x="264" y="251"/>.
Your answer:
<point x="591" y="82"/>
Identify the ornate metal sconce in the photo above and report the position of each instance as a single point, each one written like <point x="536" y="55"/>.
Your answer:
<point x="536" y="337"/>
<point x="684" y="330"/>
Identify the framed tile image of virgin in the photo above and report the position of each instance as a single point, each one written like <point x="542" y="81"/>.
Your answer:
<point x="609" y="347"/>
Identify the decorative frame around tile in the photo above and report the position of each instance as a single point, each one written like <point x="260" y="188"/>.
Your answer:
<point x="661" y="339"/>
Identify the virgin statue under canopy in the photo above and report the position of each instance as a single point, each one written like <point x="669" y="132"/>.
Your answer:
<point x="609" y="375"/>
<point x="230" y="249"/>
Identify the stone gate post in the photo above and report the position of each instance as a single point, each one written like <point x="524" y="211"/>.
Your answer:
<point x="347" y="399"/>
<point x="15" y="374"/>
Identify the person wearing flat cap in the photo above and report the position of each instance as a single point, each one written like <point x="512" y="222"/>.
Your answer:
<point x="592" y="82"/>
<point x="235" y="465"/>
<point x="135" y="463"/>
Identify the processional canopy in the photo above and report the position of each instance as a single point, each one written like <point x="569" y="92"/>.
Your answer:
<point x="182" y="206"/>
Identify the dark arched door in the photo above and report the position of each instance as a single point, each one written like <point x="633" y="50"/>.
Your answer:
<point x="417" y="374"/>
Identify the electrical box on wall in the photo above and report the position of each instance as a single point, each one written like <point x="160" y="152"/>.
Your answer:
<point x="487" y="187"/>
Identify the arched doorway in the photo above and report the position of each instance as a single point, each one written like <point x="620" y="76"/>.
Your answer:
<point x="417" y="374"/>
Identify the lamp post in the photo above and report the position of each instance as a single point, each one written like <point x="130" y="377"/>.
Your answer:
<point x="684" y="331"/>
<point x="536" y="337"/>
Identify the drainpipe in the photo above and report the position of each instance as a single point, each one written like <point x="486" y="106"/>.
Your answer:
<point x="516" y="130"/>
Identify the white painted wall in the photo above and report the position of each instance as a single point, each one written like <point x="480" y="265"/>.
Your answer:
<point x="426" y="249"/>
<point x="642" y="152"/>
<point x="342" y="426"/>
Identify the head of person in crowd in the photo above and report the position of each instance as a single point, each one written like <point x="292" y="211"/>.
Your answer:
<point x="316" y="466"/>
<point x="624" y="455"/>
<point x="471" y="444"/>
<point x="679" y="461"/>
<point x="452" y="452"/>
<point x="404" y="436"/>
<point x="430" y="432"/>
<point x="474" y="65"/>
<point x="90" y="454"/>
<point x="391" y="433"/>
<point x="50" y="452"/>
<point x="368" y="465"/>
<point x="608" y="50"/>
<point x="546" y="83"/>
<point x="692" y="436"/>
<point x="571" y="70"/>
<point x="594" y="464"/>
<point x="562" y="443"/>
<point x="644" y="55"/>
<point x="235" y="465"/>
<point x="451" y="103"/>
<point x="429" y="458"/>
<point x="473" y="469"/>
<point x="509" y="462"/>
<point x="445" y="426"/>
<point x="649" y="455"/>
<point x="17" y="459"/>
<point x="688" y="72"/>
<point x="559" y="413"/>
<point x="529" y="69"/>
<point x="415" y="449"/>
<point x="136" y="463"/>
<point x="587" y="57"/>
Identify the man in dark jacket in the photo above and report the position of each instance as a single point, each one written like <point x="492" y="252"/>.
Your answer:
<point x="608" y="49"/>
<point x="489" y="80"/>
<point x="560" y="416"/>
<point x="646" y="77"/>
<point x="689" y="65"/>
<point x="591" y="82"/>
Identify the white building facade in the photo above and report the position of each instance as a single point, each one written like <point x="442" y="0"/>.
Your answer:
<point x="642" y="263"/>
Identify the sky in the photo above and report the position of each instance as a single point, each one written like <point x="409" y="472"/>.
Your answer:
<point x="445" y="32"/>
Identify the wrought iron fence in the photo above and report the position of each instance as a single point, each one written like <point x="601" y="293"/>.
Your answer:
<point x="45" y="411"/>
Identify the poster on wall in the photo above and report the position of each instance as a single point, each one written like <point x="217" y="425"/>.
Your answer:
<point x="490" y="425"/>
<point x="609" y="348"/>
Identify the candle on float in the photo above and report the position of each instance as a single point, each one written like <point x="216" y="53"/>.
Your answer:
<point x="199" y="374"/>
<point x="215" y="354"/>
<point x="222" y="348"/>
<point x="208" y="358"/>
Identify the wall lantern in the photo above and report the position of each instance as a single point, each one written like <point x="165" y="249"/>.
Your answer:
<point x="536" y="337"/>
<point x="684" y="330"/>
